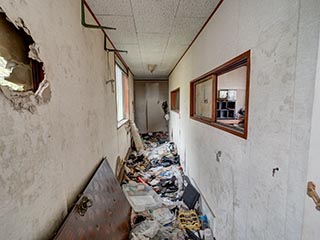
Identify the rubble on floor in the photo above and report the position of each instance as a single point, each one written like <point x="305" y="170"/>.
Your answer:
<point x="165" y="205"/>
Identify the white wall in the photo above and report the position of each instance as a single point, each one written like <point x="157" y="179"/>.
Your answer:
<point x="311" y="225"/>
<point x="248" y="202"/>
<point x="47" y="157"/>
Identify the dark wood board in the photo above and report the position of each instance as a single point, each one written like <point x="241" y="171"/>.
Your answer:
<point x="109" y="215"/>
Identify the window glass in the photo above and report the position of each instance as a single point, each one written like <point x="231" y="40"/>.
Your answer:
<point x="119" y="85"/>
<point x="122" y="87"/>
<point x="231" y="98"/>
<point x="204" y="98"/>
<point x="175" y="100"/>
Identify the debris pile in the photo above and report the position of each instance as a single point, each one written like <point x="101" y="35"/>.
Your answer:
<point x="165" y="205"/>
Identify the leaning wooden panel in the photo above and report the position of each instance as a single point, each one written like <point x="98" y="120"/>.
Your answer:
<point x="102" y="212"/>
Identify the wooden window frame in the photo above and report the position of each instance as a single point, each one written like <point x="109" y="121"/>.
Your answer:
<point x="173" y="103"/>
<point x="237" y="62"/>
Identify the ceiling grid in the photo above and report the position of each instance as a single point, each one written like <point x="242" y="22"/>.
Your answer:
<point x="153" y="31"/>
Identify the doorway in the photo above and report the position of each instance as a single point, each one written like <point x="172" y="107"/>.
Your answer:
<point x="149" y="97"/>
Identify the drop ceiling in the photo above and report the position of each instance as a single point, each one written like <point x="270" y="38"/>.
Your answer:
<point x="152" y="31"/>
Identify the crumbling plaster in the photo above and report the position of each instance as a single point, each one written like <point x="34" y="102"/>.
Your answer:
<point x="47" y="157"/>
<point x="248" y="202"/>
<point x="13" y="50"/>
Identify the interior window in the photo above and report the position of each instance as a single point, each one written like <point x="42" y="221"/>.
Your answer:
<point x="231" y="98"/>
<point x="175" y="100"/>
<point x="221" y="97"/>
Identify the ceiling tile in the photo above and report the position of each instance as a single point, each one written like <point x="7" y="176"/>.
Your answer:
<point x="122" y="23"/>
<point x="171" y="56"/>
<point x="133" y="57"/>
<point x="110" y="7"/>
<point x="152" y="41"/>
<point x="154" y="16"/>
<point x="185" y="29"/>
<point x="119" y="37"/>
<point x="152" y="47"/>
<point x="158" y="75"/>
<point x="196" y="8"/>
<point x="152" y="31"/>
<point x="125" y="33"/>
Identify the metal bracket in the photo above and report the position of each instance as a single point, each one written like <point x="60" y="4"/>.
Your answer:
<point x="313" y="194"/>
<point x="112" y="84"/>
<point x="116" y="50"/>
<point x="83" y="20"/>
<point x="110" y="49"/>
<point x="84" y="204"/>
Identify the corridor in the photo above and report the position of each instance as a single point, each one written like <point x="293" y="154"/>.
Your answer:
<point x="92" y="87"/>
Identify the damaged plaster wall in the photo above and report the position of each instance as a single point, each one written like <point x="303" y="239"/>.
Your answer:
<point x="47" y="157"/>
<point x="17" y="47"/>
<point x="248" y="202"/>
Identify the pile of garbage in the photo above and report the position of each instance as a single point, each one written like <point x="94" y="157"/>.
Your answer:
<point x="165" y="205"/>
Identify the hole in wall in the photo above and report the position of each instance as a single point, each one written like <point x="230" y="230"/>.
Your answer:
<point x="22" y="77"/>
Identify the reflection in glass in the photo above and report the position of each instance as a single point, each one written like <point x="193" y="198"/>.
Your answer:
<point x="231" y="95"/>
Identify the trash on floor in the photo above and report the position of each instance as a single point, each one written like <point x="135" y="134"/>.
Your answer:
<point x="141" y="196"/>
<point x="165" y="204"/>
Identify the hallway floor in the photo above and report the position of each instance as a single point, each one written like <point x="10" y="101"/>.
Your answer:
<point x="165" y="204"/>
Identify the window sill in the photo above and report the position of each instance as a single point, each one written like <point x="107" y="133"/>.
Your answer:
<point x="122" y="122"/>
<point x="221" y="127"/>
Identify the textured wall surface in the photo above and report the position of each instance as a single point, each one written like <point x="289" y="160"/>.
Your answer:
<point x="248" y="202"/>
<point x="311" y="224"/>
<point x="47" y="157"/>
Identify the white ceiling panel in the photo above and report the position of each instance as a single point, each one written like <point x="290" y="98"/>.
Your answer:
<point x="152" y="31"/>
<point x="110" y="7"/>
<point x="152" y="47"/>
<point x="172" y="55"/>
<point x="196" y="8"/>
<point x="154" y="16"/>
<point x="133" y="57"/>
<point x="185" y="29"/>
<point x="125" y="33"/>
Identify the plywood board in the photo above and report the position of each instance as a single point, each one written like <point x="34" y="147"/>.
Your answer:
<point x="104" y="219"/>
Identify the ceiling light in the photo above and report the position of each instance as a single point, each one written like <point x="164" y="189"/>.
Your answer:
<point x="152" y="67"/>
